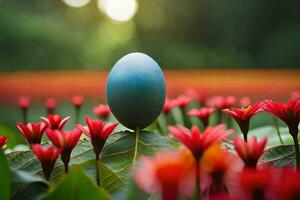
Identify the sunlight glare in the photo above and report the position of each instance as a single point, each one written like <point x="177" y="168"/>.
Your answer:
<point x="118" y="10"/>
<point x="76" y="3"/>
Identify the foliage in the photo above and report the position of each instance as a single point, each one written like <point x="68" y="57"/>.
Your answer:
<point x="211" y="34"/>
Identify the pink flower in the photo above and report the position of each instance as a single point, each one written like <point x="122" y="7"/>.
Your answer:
<point x="242" y="116"/>
<point x="32" y="132"/>
<point x="102" y="110"/>
<point x="167" y="172"/>
<point x="221" y="166"/>
<point x="55" y="121"/>
<point x="196" y="141"/>
<point x="3" y="140"/>
<point x="77" y="101"/>
<point x="202" y="113"/>
<point x="219" y="102"/>
<point x="200" y="97"/>
<point x="245" y="102"/>
<point x="47" y="157"/>
<point x="66" y="140"/>
<point x="98" y="132"/>
<point x="250" y="151"/>
<point x="182" y="101"/>
<point x="24" y="103"/>
<point x="169" y="105"/>
<point x="50" y="105"/>
<point x="295" y="95"/>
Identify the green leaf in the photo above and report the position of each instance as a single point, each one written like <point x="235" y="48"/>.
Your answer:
<point x="76" y="186"/>
<point x="121" y="151"/>
<point x="4" y="177"/>
<point x="120" y="155"/>
<point x="279" y="156"/>
<point x="131" y="191"/>
<point x="26" y="186"/>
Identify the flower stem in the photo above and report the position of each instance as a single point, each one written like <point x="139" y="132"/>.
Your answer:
<point x="98" y="173"/>
<point x="297" y="151"/>
<point x="277" y="129"/>
<point x="198" y="185"/>
<point x="77" y="114"/>
<point x="24" y="112"/>
<point x="205" y="123"/>
<point x="219" y="117"/>
<point x="186" y="118"/>
<point x="245" y="136"/>
<point x="169" y="193"/>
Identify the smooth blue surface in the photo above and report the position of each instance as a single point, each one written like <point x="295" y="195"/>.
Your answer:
<point x="136" y="90"/>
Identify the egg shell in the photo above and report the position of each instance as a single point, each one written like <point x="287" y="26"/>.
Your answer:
<point x="136" y="90"/>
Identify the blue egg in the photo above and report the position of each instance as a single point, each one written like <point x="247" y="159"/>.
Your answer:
<point x="136" y="90"/>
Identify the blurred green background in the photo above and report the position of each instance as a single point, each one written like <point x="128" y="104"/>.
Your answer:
<point x="93" y="34"/>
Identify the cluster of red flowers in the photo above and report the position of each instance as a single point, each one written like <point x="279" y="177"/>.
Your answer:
<point x="63" y="142"/>
<point x="206" y="169"/>
<point x="203" y="167"/>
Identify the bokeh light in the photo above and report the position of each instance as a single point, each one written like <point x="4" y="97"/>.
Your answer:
<point x="76" y="3"/>
<point x="118" y="10"/>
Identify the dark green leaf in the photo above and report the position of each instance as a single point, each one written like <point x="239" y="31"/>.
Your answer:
<point x="131" y="191"/>
<point x="279" y="156"/>
<point x="4" y="177"/>
<point x="25" y="186"/>
<point x="76" y="186"/>
<point x="119" y="154"/>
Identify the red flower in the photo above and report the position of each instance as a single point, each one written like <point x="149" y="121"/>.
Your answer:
<point x="24" y="103"/>
<point x="167" y="172"/>
<point x="200" y="97"/>
<point x="50" y="105"/>
<point x="256" y="184"/>
<point x="245" y="102"/>
<point x="47" y="157"/>
<point x="55" y="121"/>
<point x="202" y="114"/>
<point x="3" y="140"/>
<point x="182" y="101"/>
<point x="289" y="113"/>
<point x="77" y="101"/>
<point x="289" y="186"/>
<point x="97" y="132"/>
<point x="220" y="165"/>
<point x="242" y="116"/>
<point x="250" y="151"/>
<point x="102" y="110"/>
<point x="169" y="105"/>
<point x="32" y="132"/>
<point x="196" y="141"/>
<point x="66" y="140"/>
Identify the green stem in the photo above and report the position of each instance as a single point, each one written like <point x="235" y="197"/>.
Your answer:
<point x="186" y="118"/>
<point x="277" y="129"/>
<point x="297" y="151"/>
<point x="198" y="185"/>
<point x="98" y="173"/>
<point x="77" y="114"/>
<point x="169" y="118"/>
<point x="24" y="112"/>
<point x="219" y="117"/>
